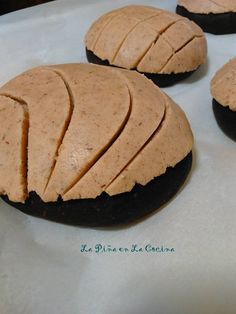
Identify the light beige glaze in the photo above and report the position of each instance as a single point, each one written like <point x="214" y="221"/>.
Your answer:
<point x="147" y="112"/>
<point x="110" y="41"/>
<point x="101" y="107"/>
<point x="223" y="85"/>
<point x="184" y="58"/>
<point x="156" y="57"/>
<point x="175" y="36"/>
<point x="13" y="145"/>
<point x="159" y="153"/>
<point x="115" y="128"/>
<point x="146" y="42"/>
<point x="163" y="21"/>
<point x="141" y="13"/>
<point x="208" y="6"/>
<point x="135" y="46"/>
<point x="49" y="108"/>
<point x="98" y="26"/>
<point x="175" y="51"/>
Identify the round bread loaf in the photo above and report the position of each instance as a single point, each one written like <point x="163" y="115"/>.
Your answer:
<point x="90" y="145"/>
<point x="224" y="98"/>
<point x="164" y="46"/>
<point x="214" y="16"/>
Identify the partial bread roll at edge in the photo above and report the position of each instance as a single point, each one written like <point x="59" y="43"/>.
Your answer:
<point x="223" y="85"/>
<point x="208" y="6"/>
<point x="213" y="16"/>
<point x="224" y="98"/>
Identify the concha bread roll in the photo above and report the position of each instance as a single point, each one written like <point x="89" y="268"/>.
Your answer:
<point x="224" y="97"/>
<point x="208" y="6"/>
<point x="213" y="16"/>
<point x="156" y="42"/>
<point x="77" y="131"/>
<point x="223" y="85"/>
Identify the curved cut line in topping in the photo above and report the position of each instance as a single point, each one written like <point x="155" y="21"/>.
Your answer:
<point x="105" y="149"/>
<point x="151" y="27"/>
<point x="48" y="111"/>
<point x="67" y="122"/>
<point x="18" y="99"/>
<point x="163" y="38"/>
<point x="169" y="26"/>
<point x="188" y="42"/>
<point x="73" y="159"/>
<point x="179" y="18"/>
<point x="181" y="48"/>
<point x="169" y="43"/>
<point x="133" y="28"/>
<point x="102" y="179"/>
<point x="151" y="48"/>
<point x="102" y="29"/>
<point x="105" y="27"/>
<point x="187" y="26"/>
<point x="138" y="152"/>
<point x="141" y="58"/>
<point x="164" y="147"/>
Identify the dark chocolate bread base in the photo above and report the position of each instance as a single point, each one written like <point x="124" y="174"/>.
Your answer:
<point x="108" y="210"/>
<point x="162" y="80"/>
<point x="165" y="80"/>
<point x="218" y="24"/>
<point x="225" y="118"/>
<point x="7" y="6"/>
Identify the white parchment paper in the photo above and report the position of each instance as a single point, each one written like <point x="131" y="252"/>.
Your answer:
<point x="42" y="268"/>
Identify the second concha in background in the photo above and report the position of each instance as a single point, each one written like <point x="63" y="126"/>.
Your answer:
<point x="216" y="17"/>
<point x="164" y="46"/>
